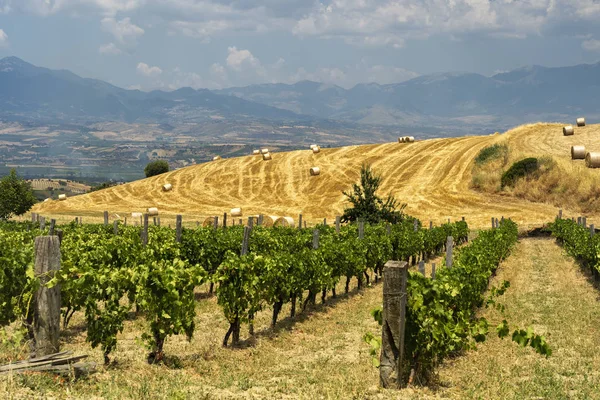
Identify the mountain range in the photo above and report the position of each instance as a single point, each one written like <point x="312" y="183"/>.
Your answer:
<point x="30" y="93"/>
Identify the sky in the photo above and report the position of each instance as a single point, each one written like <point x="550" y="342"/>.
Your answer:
<point x="167" y="44"/>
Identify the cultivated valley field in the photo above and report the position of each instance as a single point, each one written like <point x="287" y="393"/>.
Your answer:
<point x="434" y="178"/>
<point x="288" y="314"/>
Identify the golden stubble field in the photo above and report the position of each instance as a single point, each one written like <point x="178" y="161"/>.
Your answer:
<point x="431" y="176"/>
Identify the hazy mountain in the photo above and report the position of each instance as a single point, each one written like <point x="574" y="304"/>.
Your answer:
<point x="443" y="102"/>
<point x="518" y="96"/>
<point x="28" y="92"/>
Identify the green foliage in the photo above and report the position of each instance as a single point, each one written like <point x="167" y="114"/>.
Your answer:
<point x="103" y="185"/>
<point x="578" y="243"/>
<point x="16" y="196"/>
<point x="156" y="168"/>
<point x="367" y="205"/>
<point x="491" y="153"/>
<point x="518" y="170"/>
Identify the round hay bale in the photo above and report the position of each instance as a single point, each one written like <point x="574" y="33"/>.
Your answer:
<point x="215" y="158"/>
<point x="266" y="156"/>
<point x="209" y="221"/>
<point x="167" y="187"/>
<point x="316" y="150"/>
<point x="401" y="139"/>
<point x="45" y="200"/>
<point x="315" y="171"/>
<point x="284" y="221"/>
<point x="236" y="212"/>
<point x="581" y="121"/>
<point x="568" y="130"/>
<point x="578" y="152"/>
<point x="312" y="146"/>
<point x="264" y="151"/>
<point x="409" y="139"/>
<point x="592" y="160"/>
<point x="136" y="214"/>
<point x="152" y="211"/>
<point x="62" y="196"/>
<point x="270" y="220"/>
<point x="255" y="152"/>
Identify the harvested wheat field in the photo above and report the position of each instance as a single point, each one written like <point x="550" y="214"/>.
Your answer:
<point x="432" y="176"/>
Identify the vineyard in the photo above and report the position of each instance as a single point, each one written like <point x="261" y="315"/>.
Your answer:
<point x="107" y="274"/>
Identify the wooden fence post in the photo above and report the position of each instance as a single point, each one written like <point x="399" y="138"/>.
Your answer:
<point x="449" y="245"/>
<point x="42" y="223"/>
<point x="315" y="242"/>
<point x="560" y="214"/>
<point x="47" y="302"/>
<point x="338" y="220"/>
<point x="578" y="220"/>
<point x="178" y="228"/>
<point x="300" y="221"/>
<point x="216" y="222"/>
<point x="433" y="271"/>
<point x="52" y="225"/>
<point x="224" y="220"/>
<point x="416" y="225"/>
<point x="493" y="223"/>
<point x="430" y="224"/>
<point x="116" y="228"/>
<point x="422" y="267"/>
<point x="584" y="222"/>
<point x="240" y="221"/>
<point x="250" y="222"/>
<point x="389" y="229"/>
<point x="324" y="221"/>
<point x="33" y="217"/>
<point x="105" y="218"/>
<point x="361" y="229"/>
<point x="125" y="222"/>
<point x="145" y="231"/>
<point x="395" y="274"/>
<point x="158" y="221"/>
<point x="592" y="230"/>
<point x="245" y="240"/>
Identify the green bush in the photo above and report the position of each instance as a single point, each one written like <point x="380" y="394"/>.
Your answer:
<point x="156" y="168"/>
<point x="490" y="153"/>
<point x="518" y="170"/>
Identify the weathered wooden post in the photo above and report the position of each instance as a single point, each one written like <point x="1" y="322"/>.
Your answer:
<point x="315" y="242"/>
<point x="463" y="219"/>
<point x="178" y="228"/>
<point x="584" y="222"/>
<point x="42" y="223"/>
<point x="261" y="219"/>
<point x="216" y="222"/>
<point x="361" y="229"/>
<point x="245" y="240"/>
<point x="47" y="301"/>
<point x="125" y="221"/>
<point x="578" y="220"/>
<point x="449" y="245"/>
<point x="324" y="221"/>
<point x="145" y="231"/>
<point x="52" y="225"/>
<point x="240" y="222"/>
<point x="415" y="225"/>
<point x="250" y="222"/>
<point x="33" y="217"/>
<point x="560" y="214"/>
<point x="338" y="220"/>
<point x="305" y="225"/>
<point x="105" y="218"/>
<point x="158" y="221"/>
<point x="592" y="230"/>
<point x="395" y="274"/>
<point x="433" y="271"/>
<point x="430" y="224"/>
<point x="80" y="220"/>
<point x="422" y="267"/>
<point x="116" y="228"/>
<point x="389" y="229"/>
<point x="224" y="220"/>
<point x="493" y="223"/>
<point x="300" y="221"/>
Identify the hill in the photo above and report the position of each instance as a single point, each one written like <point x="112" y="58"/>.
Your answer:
<point x="432" y="176"/>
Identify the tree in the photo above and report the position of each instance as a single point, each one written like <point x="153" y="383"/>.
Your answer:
<point x="16" y="195"/>
<point x="156" y="168"/>
<point x="367" y="205"/>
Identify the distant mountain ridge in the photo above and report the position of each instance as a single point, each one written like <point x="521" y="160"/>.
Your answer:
<point x="506" y="99"/>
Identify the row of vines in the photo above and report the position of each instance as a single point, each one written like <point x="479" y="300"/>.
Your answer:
<point x="580" y="242"/>
<point x="108" y="276"/>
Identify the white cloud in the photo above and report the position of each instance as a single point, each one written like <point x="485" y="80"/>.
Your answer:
<point x="241" y="59"/>
<point x="48" y="7"/>
<point x="110" y="49"/>
<point x="124" y="31"/>
<point x="591" y="45"/>
<point x="3" y="39"/>
<point x="148" y="71"/>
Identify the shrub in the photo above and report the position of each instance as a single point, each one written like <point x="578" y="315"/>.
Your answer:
<point x="518" y="170"/>
<point x="156" y="168"/>
<point x="16" y="196"/>
<point x="490" y="153"/>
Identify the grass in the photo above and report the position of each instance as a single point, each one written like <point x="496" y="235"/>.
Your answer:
<point x="320" y="354"/>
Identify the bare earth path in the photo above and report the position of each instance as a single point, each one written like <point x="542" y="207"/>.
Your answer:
<point x="549" y="291"/>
